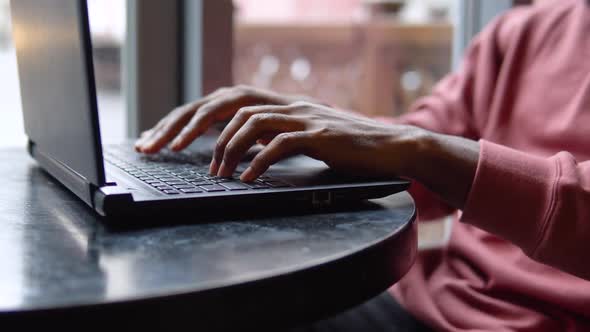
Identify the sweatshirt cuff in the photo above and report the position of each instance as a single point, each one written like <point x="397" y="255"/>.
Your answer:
<point x="511" y="195"/>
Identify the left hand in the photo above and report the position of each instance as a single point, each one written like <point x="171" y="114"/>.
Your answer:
<point x="346" y="142"/>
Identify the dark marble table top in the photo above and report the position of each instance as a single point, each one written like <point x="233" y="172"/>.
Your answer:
<point x="58" y="260"/>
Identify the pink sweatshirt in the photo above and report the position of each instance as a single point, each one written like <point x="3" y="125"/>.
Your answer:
<point x="520" y="250"/>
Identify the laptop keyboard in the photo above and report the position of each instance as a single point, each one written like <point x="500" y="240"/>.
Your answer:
<point x="182" y="173"/>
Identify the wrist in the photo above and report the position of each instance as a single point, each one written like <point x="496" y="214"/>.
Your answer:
<point x="416" y="147"/>
<point x="444" y="164"/>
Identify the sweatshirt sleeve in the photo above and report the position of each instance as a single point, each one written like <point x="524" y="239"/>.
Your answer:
<point x="540" y="204"/>
<point x="458" y="104"/>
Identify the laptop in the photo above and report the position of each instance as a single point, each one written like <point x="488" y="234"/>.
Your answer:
<point x="54" y="54"/>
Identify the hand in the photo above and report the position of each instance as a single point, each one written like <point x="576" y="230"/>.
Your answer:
<point x="349" y="143"/>
<point x="344" y="141"/>
<point x="188" y="122"/>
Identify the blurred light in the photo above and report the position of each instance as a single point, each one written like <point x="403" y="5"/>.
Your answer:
<point x="300" y="69"/>
<point x="411" y="81"/>
<point x="269" y="65"/>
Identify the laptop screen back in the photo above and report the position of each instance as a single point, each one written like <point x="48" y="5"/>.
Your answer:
<point x="54" y="57"/>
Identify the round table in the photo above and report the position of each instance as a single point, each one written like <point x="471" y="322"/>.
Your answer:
<point x="62" y="267"/>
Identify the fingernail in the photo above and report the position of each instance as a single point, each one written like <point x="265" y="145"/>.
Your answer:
<point x="177" y="141"/>
<point x="148" y="144"/>
<point x="149" y="147"/>
<point x="222" y="170"/>
<point x="248" y="175"/>
<point x="214" y="167"/>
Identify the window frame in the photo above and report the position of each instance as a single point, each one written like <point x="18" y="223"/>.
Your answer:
<point x="471" y="17"/>
<point x="175" y="51"/>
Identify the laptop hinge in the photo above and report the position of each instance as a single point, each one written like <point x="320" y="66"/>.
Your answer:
<point x="68" y="177"/>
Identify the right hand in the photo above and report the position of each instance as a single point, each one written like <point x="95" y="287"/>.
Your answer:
<point x="186" y="123"/>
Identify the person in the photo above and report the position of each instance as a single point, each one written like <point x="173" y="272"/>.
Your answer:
<point x="504" y="140"/>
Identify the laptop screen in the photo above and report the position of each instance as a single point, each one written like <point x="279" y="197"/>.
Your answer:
<point x="54" y="57"/>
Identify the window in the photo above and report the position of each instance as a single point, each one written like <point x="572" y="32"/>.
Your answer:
<point x="11" y="124"/>
<point x="108" y="28"/>
<point x="108" y="32"/>
<point x="376" y="57"/>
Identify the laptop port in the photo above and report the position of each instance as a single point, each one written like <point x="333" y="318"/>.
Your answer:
<point x="321" y="198"/>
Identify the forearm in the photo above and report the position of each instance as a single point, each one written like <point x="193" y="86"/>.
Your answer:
<point x="444" y="164"/>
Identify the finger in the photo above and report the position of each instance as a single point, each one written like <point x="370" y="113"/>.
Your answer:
<point x="216" y="110"/>
<point x="141" y="139"/>
<point x="177" y="118"/>
<point x="283" y="146"/>
<point x="257" y="126"/>
<point x="242" y="116"/>
<point x="146" y="135"/>
<point x="160" y="138"/>
<point x="267" y="137"/>
<point x="167" y="128"/>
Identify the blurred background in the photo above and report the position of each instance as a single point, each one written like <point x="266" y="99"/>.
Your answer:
<point x="108" y="27"/>
<point x="373" y="56"/>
